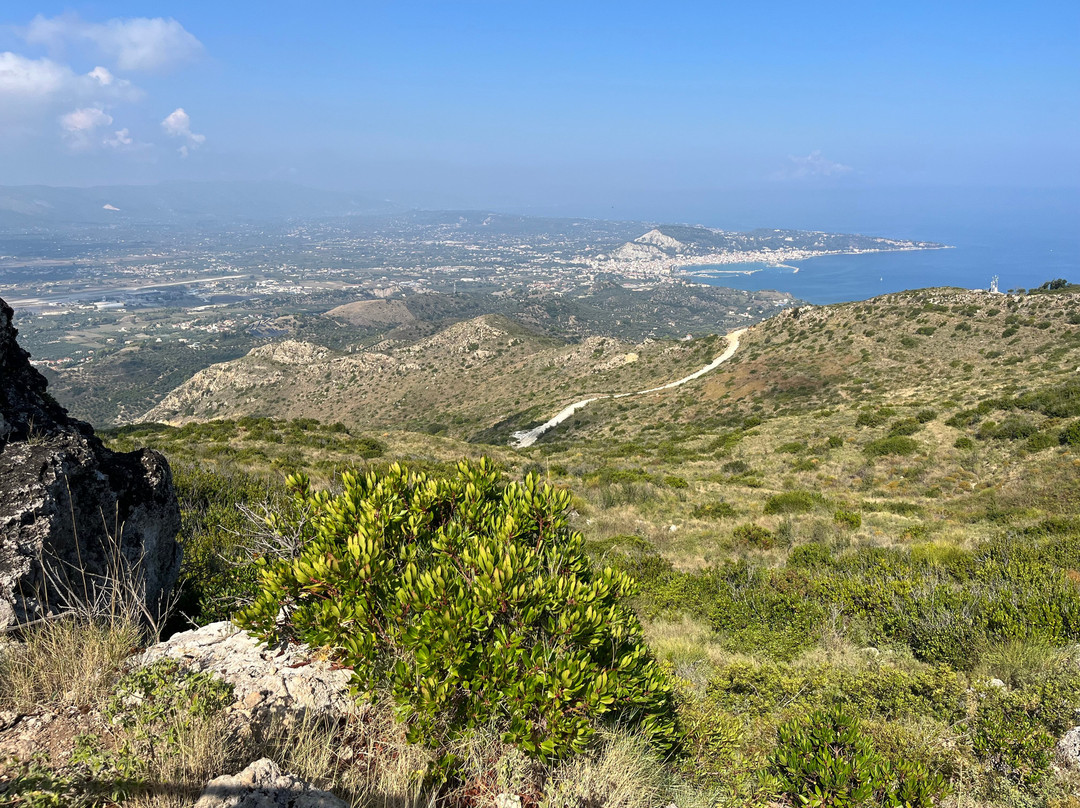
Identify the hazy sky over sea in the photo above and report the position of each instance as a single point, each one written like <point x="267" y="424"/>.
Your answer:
<point x="541" y="104"/>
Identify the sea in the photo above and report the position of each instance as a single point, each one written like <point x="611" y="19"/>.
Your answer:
<point x="1021" y="238"/>
<point x="1024" y="237"/>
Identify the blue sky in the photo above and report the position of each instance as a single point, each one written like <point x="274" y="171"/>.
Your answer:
<point x="529" y="103"/>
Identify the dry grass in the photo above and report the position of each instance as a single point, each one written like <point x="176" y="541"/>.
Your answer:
<point x="70" y="661"/>
<point x="206" y="747"/>
<point x="366" y="762"/>
<point x="622" y="773"/>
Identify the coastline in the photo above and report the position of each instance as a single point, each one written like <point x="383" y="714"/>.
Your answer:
<point x="685" y="270"/>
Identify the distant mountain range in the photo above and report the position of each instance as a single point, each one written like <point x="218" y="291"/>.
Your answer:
<point x="176" y="202"/>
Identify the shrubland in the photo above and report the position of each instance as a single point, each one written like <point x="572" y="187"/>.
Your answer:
<point x="854" y="555"/>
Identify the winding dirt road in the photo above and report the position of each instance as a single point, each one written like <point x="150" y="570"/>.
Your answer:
<point x="521" y="440"/>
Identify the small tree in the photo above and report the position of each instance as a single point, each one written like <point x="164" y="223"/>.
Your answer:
<point x="471" y="600"/>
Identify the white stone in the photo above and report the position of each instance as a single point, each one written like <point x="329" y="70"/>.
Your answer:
<point x="263" y="785"/>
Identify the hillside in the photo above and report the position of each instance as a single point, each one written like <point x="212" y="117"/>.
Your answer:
<point x="139" y="356"/>
<point x="471" y="376"/>
<point x="870" y="511"/>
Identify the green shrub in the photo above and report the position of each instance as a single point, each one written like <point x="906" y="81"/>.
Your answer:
<point x="892" y="445"/>
<point x="1009" y="736"/>
<point x="793" y="502"/>
<point x="925" y="416"/>
<point x="472" y="600"/>
<point x="217" y="571"/>
<point x="158" y="701"/>
<point x="869" y="418"/>
<point x="1062" y="401"/>
<point x="1040" y="441"/>
<point x="827" y="760"/>
<point x="758" y="612"/>
<point x="809" y="556"/>
<point x="1070" y="435"/>
<point x="1013" y="427"/>
<point x="905" y="426"/>
<point x="792" y="447"/>
<point x="714" y="510"/>
<point x="834" y="442"/>
<point x="671" y="481"/>
<point x="753" y="535"/>
<point x="964" y="442"/>
<point x="851" y="519"/>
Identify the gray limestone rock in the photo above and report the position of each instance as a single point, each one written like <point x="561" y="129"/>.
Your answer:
<point x="1068" y="749"/>
<point x="73" y="514"/>
<point x="263" y="785"/>
<point x="284" y="682"/>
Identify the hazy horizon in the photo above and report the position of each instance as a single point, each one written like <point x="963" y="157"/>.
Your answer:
<point x="543" y="109"/>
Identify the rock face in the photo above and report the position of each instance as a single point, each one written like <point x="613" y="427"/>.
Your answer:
<point x="74" y="516"/>
<point x="287" y="683"/>
<point x="263" y="785"/>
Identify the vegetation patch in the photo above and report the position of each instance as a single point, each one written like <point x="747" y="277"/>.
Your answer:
<point x="473" y="602"/>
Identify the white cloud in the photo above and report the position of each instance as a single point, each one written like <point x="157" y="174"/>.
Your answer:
<point x="102" y="76"/>
<point x="178" y="124"/>
<point x="79" y="127"/>
<point x="120" y="138"/>
<point x="134" y="43"/>
<point x="32" y="78"/>
<point x="40" y="80"/>
<point x="812" y="166"/>
<point x="85" y="120"/>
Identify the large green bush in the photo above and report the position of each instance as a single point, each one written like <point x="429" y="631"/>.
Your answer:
<point x="473" y="602"/>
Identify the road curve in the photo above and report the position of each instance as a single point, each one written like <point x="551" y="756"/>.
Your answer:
<point x="523" y="439"/>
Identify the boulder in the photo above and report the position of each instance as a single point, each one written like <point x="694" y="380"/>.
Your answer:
<point x="288" y="682"/>
<point x="263" y="785"/>
<point x="1068" y="749"/>
<point x="78" y="522"/>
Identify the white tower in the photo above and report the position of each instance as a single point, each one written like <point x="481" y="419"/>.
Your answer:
<point x="994" y="284"/>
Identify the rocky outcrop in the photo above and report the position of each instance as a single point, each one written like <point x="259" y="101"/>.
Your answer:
<point x="1068" y="749"/>
<point x="77" y="521"/>
<point x="288" y="682"/>
<point x="263" y="785"/>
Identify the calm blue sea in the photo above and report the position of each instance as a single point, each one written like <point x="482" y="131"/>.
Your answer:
<point x="1024" y="238"/>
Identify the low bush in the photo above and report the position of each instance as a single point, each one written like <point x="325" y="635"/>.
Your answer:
<point x="851" y="519"/>
<point x="826" y="760"/>
<point x="1012" y="428"/>
<point x="714" y="510"/>
<point x="1040" y="441"/>
<point x="810" y="556"/>
<point x="893" y="445"/>
<point x="870" y="418"/>
<point x="794" y="502"/>
<point x="1070" y="435"/>
<point x="905" y="426"/>
<point x="473" y="602"/>
<point x="753" y="535"/>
